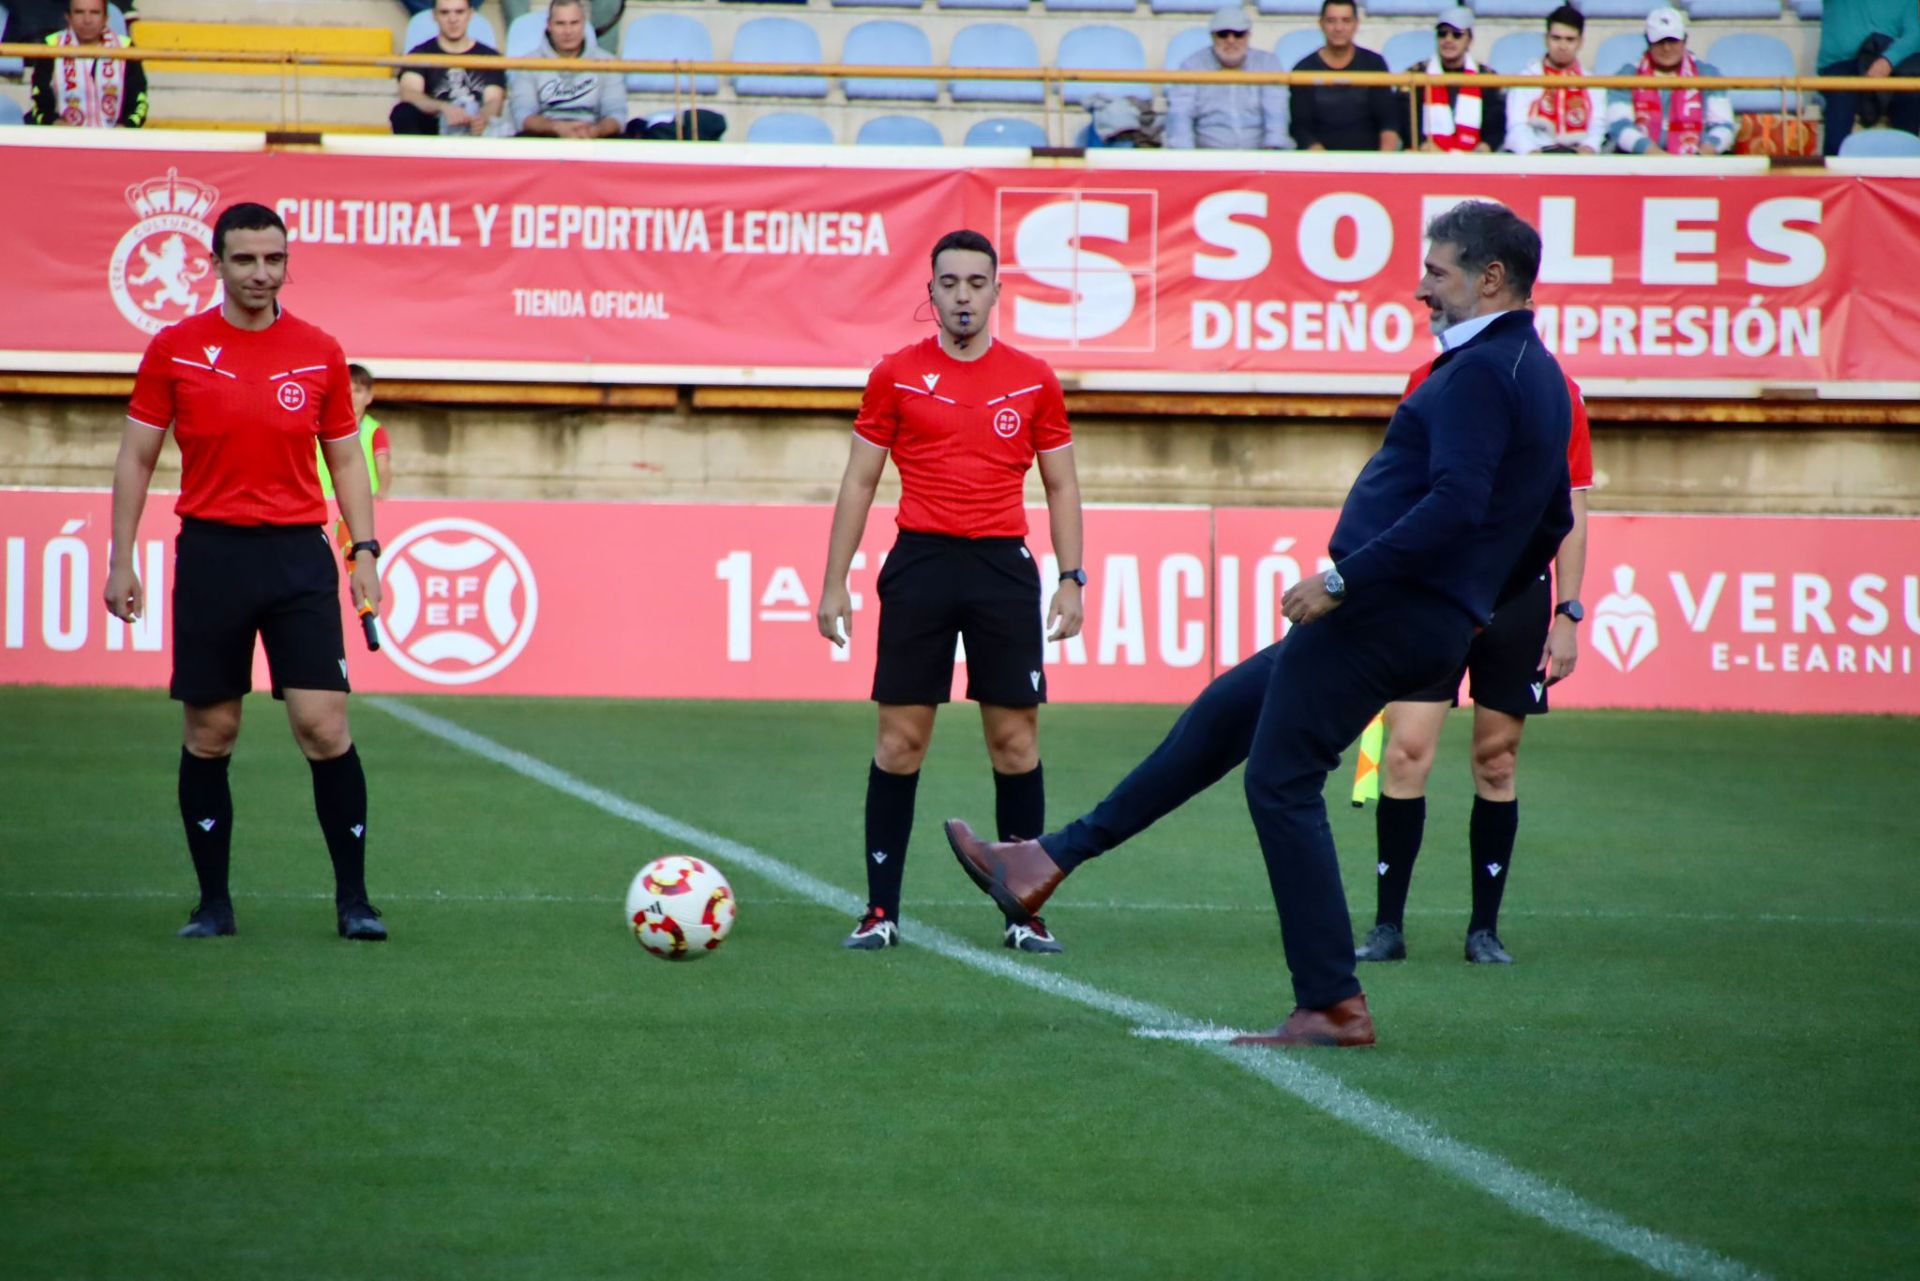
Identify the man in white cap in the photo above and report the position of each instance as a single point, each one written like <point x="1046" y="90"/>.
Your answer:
<point x="1228" y="116"/>
<point x="1567" y="119"/>
<point x="1682" y="121"/>
<point x="1455" y="118"/>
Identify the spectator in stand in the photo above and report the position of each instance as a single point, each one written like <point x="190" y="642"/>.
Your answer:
<point x="1454" y="118"/>
<point x="32" y="21"/>
<point x="604" y="14"/>
<point x="568" y="101"/>
<point x="1343" y="117"/>
<point x="1681" y="121"/>
<point x="88" y="93"/>
<point x="1877" y="38"/>
<point x="1228" y="116"/>
<point x="1557" y="120"/>
<point x="456" y="100"/>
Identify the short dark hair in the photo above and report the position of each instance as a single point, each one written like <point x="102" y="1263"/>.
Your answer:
<point x="359" y="375"/>
<point x="1485" y="232"/>
<point x="964" y="239"/>
<point x="1350" y="4"/>
<point x="245" y="216"/>
<point x="1568" y="16"/>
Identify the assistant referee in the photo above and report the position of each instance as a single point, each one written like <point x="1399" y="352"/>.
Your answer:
<point x="247" y="389"/>
<point x="964" y="417"/>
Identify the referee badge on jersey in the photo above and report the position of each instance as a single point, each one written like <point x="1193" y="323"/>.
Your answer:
<point x="292" y="396"/>
<point x="1006" y="422"/>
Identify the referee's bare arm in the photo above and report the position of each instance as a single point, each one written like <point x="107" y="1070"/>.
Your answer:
<point x="865" y="462"/>
<point x="354" y="492"/>
<point x="1062" y="481"/>
<point x="132" y="472"/>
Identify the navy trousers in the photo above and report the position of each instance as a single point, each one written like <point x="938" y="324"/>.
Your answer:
<point x="1289" y="711"/>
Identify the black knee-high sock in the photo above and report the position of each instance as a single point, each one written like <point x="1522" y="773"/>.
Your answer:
<point x="889" y="824"/>
<point x="1490" y="835"/>
<point x="1020" y="804"/>
<point x="340" y="801"/>
<point x="206" y="808"/>
<point x="1398" y="826"/>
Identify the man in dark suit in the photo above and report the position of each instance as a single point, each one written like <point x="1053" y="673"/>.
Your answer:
<point x="1467" y="495"/>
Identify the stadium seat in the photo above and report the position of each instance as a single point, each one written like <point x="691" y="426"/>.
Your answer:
<point x="1097" y="49"/>
<point x="994" y="44"/>
<point x="1746" y="53"/>
<point x="1809" y="10"/>
<point x="1620" y="8"/>
<point x="1296" y="45"/>
<point x="1021" y="5"/>
<point x="1405" y="8"/>
<point x="1289" y="9"/>
<point x="1185" y="44"/>
<point x="1617" y="52"/>
<point x="524" y="34"/>
<point x="1089" y="6"/>
<point x="790" y="126"/>
<point x="1733" y="10"/>
<point x="1512" y="52"/>
<point x="669" y="36"/>
<point x="876" y="4"/>
<point x="422" y="28"/>
<point x="9" y="66"/>
<point x="899" y="131"/>
<point x="244" y="37"/>
<point x="11" y="113"/>
<point x="886" y="43"/>
<point x="778" y="40"/>
<point x="1515" y="8"/>
<point x="1880" y="142"/>
<point x="1184" y="6"/>
<point x="1005" y="131"/>
<point x="1407" y="48"/>
<point x="117" y="20"/>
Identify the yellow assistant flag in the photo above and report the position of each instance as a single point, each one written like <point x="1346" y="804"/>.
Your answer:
<point x="1366" y="769"/>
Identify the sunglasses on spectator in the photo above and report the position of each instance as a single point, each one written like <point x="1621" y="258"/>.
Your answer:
<point x="1230" y="35"/>
<point x="1448" y="33"/>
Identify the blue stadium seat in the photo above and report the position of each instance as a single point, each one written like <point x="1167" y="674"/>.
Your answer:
<point x="1296" y="45"/>
<point x="1021" y="5"/>
<point x="525" y="32"/>
<point x="778" y="40"/>
<point x="1405" y="8"/>
<point x="1185" y="44"/>
<point x="11" y="112"/>
<point x="994" y="44"/>
<point x="1512" y="52"/>
<point x="1515" y="8"/>
<point x="876" y="4"/>
<point x="1184" y="6"/>
<point x="1289" y="9"/>
<point x="1809" y="10"/>
<point x="1099" y="49"/>
<point x="1620" y="8"/>
<point x="899" y="131"/>
<point x="117" y="23"/>
<point x="420" y="27"/>
<point x="1006" y="131"/>
<point x="1746" y="53"/>
<point x="790" y="126"/>
<point x="1089" y="6"/>
<point x="1407" y="48"/>
<point x="1734" y="10"/>
<point x="669" y="36"/>
<point x="887" y="43"/>
<point x="9" y="66"/>
<point x="1880" y="142"/>
<point x="1619" y="54"/>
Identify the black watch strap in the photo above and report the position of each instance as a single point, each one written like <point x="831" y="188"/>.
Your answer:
<point x="1074" y="575"/>
<point x="370" y="545"/>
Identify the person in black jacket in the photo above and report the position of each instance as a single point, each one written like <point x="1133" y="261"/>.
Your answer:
<point x="1464" y="503"/>
<point x="95" y="93"/>
<point x="1343" y="117"/>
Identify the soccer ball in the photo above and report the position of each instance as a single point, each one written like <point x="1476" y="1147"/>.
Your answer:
<point x="680" y="908"/>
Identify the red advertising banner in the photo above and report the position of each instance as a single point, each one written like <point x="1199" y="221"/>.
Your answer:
<point x="494" y="263"/>
<point x="673" y="601"/>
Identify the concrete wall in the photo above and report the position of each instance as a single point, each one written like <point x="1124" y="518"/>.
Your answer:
<point x="685" y="454"/>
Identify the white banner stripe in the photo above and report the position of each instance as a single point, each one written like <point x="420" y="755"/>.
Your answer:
<point x="1527" y="1193"/>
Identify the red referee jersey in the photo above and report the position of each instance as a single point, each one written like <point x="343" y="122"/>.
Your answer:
<point x="246" y="406"/>
<point x="963" y="434"/>
<point x="1579" y="443"/>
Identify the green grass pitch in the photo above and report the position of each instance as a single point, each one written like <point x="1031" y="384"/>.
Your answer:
<point x="1710" y="1034"/>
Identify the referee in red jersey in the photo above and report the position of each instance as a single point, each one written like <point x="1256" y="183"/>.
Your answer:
<point x="964" y="417"/>
<point x="246" y="389"/>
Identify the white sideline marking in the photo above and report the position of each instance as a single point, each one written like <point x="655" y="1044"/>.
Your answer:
<point x="1186" y="1034"/>
<point x="1527" y="1193"/>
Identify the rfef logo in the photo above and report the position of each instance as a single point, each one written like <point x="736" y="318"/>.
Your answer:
<point x="161" y="272"/>
<point x="1077" y="267"/>
<point x="460" y="601"/>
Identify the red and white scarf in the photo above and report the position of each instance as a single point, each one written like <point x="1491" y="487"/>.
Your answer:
<point x="1451" y="120"/>
<point x="1685" y="120"/>
<point x="1565" y="112"/>
<point x="91" y="91"/>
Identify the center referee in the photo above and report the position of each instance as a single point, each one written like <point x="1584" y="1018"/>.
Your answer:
<point x="964" y="417"/>
<point x="247" y="389"/>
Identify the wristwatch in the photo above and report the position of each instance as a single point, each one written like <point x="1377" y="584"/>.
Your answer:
<point x="1572" y="609"/>
<point x="1336" y="586"/>
<point x="1077" y="575"/>
<point x="370" y="545"/>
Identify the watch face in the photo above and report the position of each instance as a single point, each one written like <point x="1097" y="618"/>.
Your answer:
<point x="1571" y="608"/>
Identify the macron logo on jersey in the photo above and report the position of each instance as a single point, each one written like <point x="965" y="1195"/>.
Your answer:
<point x="931" y="380"/>
<point x="213" y="355"/>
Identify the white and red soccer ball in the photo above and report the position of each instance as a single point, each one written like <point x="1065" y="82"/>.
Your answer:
<point x="680" y="907"/>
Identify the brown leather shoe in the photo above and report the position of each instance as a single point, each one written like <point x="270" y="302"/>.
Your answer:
<point x="1018" y="874"/>
<point x="1346" y="1024"/>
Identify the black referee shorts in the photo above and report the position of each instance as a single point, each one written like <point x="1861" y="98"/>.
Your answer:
<point x="935" y="589"/>
<point x="233" y="582"/>
<point x="1504" y="661"/>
